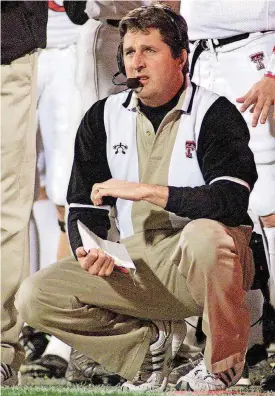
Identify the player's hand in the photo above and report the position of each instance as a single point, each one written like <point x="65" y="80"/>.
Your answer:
<point x="261" y="97"/>
<point x="118" y="189"/>
<point x="96" y="261"/>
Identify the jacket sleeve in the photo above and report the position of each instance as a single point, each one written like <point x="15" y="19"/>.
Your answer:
<point x="227" y="166"/>
<point x="90" y="166"/>
<point x="23" y="28"/>
<point x="76" y="11"/>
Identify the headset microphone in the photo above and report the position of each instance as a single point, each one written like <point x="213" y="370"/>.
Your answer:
<point x="114" y="79"/>
<point x="131" y="83"/>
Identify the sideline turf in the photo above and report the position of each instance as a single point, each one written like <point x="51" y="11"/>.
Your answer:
<point x="65" y="391"/>
<point x="105" y="391"/>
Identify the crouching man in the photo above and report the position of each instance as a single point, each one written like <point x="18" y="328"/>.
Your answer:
<point x="174" y="159"/>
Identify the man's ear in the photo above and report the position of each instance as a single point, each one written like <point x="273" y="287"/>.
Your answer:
<point x="183" y="58"/>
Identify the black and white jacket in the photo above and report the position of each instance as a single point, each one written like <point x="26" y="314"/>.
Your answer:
<point x="216" y="185"/>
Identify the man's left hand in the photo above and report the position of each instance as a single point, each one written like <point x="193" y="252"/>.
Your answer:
<point x="131" y="191"/>
<point x="118" y="189"/>
<point x="261" y="96"/>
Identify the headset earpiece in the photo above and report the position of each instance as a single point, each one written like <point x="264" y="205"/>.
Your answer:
<point x="119" y="58"/>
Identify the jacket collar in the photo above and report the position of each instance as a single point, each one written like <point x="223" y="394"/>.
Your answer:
<point x="184" y="104"/>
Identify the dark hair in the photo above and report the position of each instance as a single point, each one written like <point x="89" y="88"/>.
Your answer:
<point x="171" y="25"/>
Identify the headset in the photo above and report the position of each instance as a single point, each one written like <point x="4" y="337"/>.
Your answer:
<point x="171" y="17"/>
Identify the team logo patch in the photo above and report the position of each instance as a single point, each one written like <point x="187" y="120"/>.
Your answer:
<point x="120" y="148"/>
<point x="258" y="59"/>
<point x="190" y="146"/>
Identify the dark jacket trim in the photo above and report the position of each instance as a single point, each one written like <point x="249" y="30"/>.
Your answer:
<point x="128" y="100"/>
<point x="23" y="28"/>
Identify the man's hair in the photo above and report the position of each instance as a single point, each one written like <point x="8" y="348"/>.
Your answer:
<point x="171" y="25"/>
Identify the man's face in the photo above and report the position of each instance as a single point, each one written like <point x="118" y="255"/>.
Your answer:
<point x="148" y="58"/>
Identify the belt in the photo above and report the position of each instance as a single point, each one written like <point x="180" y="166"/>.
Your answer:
<point x="113" y="22"/>
<point x="202" y="46"/>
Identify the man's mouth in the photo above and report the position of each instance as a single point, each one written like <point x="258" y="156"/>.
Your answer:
<point x="142" y="78"/>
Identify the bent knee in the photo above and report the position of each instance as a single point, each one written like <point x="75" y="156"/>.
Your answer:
<point x="205" y="232"/>
<point x="27" y="302"/>
<point x="205" y="239"/>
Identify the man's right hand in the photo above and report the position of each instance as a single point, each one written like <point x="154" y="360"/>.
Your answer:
<point x="96" y="262"/>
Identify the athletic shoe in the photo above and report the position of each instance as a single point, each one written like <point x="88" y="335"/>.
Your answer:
<point x="84" y="370"/>
<point x="268" y="383"/>
<point x="200" y="379"/>
<point x="34" y="343"/>
<point x="9" y="377"/>
<point x="48" y="366"/>
<point x="183" y="367"/>
<point x="157" y="365"/>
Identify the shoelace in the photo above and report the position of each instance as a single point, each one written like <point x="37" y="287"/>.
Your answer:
<point x="193" y="362"/>
<point x="226" y="377"/>
<point x="6" y="372"/>
<point x="83" y="363"/>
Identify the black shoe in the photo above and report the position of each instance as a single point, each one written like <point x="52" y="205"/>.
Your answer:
<point x="34" y="343"/>
<point x="261" y="370"/>
<point x="84" y="370"/>
<point x="48" y="366"/>
<point x="268" y="383"/>
<point x="256" y="354"/>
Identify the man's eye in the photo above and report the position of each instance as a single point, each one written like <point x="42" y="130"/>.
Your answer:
<point x="129" y="52"/>
<point x="150" y="50"/>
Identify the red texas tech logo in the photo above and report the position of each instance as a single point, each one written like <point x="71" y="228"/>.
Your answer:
<point x="258" y="60"/>
<point x="190" y="146"/>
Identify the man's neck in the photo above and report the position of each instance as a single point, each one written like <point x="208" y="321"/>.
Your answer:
<point x="170" y="103"/>
<point x="158" y="102"/>
<point x="156" y="114"/>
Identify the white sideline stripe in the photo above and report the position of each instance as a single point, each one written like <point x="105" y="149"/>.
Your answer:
<point x="103" y="207"/>
<point x="233" y="179"/>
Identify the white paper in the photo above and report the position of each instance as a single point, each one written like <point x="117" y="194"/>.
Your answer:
<point x="116" y="250"/>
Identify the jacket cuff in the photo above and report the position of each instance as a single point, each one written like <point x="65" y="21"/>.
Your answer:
<point x="174" y="200"/>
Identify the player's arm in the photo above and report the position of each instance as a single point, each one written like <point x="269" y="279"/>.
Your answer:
<point x="76" y="11"/>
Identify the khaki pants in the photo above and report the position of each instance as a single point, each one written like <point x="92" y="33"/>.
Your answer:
<point x="202" y="270"/>
<point x="18" y="155"/>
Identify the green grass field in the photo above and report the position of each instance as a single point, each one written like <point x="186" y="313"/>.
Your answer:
<point x="111" y="391"/>
<point x="65" y="391"/>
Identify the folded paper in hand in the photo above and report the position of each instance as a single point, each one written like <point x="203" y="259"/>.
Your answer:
<point x="116" y="250"/>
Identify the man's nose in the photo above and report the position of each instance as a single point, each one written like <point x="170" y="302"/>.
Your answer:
<point x="138" y="62"/>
